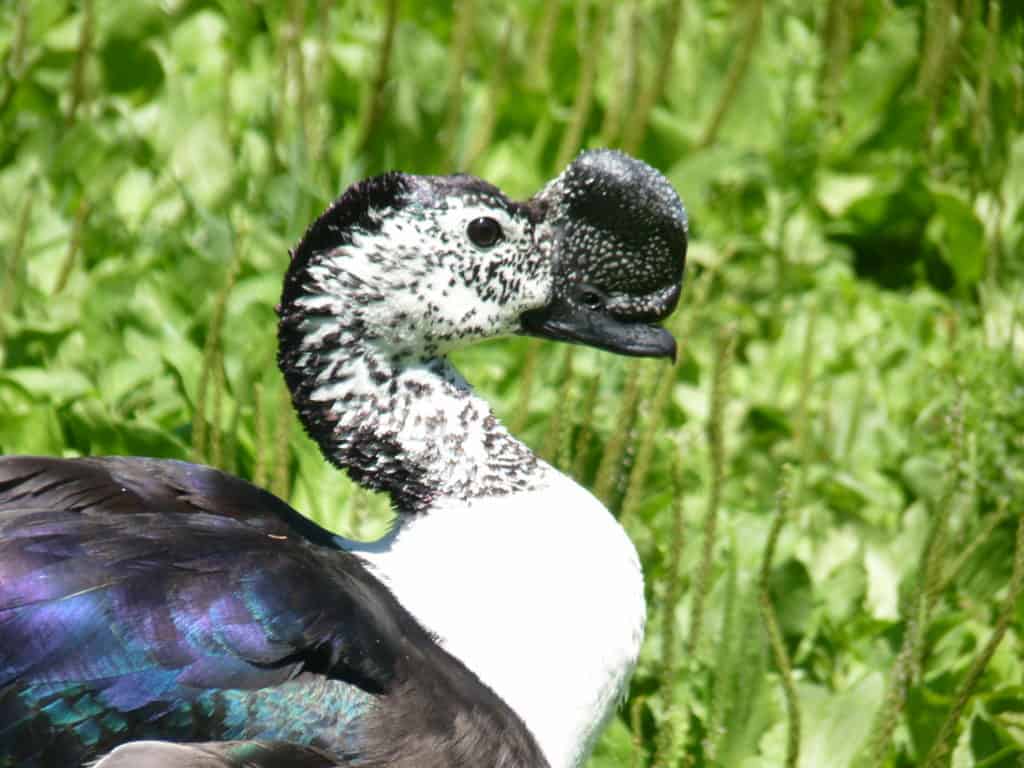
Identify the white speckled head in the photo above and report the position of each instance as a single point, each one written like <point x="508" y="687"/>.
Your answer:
<point x="426" y="263"/>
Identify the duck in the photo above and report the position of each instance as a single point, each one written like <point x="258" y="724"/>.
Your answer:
<point x="155" y="612"/>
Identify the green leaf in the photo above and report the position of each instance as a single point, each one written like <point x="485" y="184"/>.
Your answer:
<point x="615" y="749"/>
<point x="130" y="65"/>
<point x="835" y="726"/>
<point x="52" y="386"/>
<point x="31" y="432"/>
<point x="959" y="236"/>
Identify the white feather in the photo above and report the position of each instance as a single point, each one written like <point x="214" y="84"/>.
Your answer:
<point x="539" y="593"/>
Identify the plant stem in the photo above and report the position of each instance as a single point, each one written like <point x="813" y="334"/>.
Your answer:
<point x="737" y="71"/>
<point x="298" y="22"/>
<point x="611" y="462"/>
<point x="645" y="451"/>
<point x="74" y="246"/>
<point x="771" y="625"/>
<point x="282" y="430"/>
<point x="636" y="716"/>
<point x="584" y="85"/>
<point x="14" y="65"/>
<point x="716" y="447"/>
<point x="803" y="420"/>
<point x="81" y="60"/>
<point x="212" y="357"/>
<point x="464" y="19"/>
<point x="375" y="106"/>
<point x="538" y="77"/>
<point x="919" y="610"/>
<point x="216" y="452"/>
<point x="495" y="95"/>
<point x="628" y="22"/>
<point x="977" y="541"/>
<point x="553" y="438"/>
<point x="840" y="24"/>
<point x="940" y="747"/>
<point x="641" y="114"/>
<point x="259" y="471"/>
<point x="669" y="739"/>
<point x="518" y="421"/>
<point x="581" y="449"/>
<point x="12" y="270"/>
<point x="981" y="124"/>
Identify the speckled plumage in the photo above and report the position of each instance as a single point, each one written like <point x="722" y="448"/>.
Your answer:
<point x="365" y="322"/>
<point x="145" y="599"/>
<point x="383" y="285"/>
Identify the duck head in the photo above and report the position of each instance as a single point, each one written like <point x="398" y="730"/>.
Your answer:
<point x="420" y="265"/>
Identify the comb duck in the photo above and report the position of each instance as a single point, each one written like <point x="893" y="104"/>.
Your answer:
<point x="158" y="613"/>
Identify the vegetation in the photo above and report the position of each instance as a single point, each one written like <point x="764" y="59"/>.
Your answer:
<point x="826" y="490"/>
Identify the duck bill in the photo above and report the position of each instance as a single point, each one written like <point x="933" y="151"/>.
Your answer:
<point x="561" y="321"/>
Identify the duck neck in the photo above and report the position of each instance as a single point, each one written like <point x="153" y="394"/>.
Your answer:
<point x="410" y="426"/>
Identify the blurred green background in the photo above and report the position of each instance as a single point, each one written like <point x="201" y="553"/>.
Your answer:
<point x="825" y="490"/>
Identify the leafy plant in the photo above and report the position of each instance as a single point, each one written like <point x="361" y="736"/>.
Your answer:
<point x="854" y="172"/>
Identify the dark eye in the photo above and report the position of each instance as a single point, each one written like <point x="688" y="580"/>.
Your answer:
<point x="590" y="297"/>
<point x="484" y="231"/>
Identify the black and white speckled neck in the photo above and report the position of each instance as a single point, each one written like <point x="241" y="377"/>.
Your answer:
<point x="393" y="276"/>
<point x="380" y="288"/>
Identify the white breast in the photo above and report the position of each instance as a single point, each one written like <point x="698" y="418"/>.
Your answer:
<point x="539" y="593"/>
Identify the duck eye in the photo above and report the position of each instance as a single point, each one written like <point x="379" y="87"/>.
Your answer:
<point x="591" y="298"/>
<point x="484" y="231"/>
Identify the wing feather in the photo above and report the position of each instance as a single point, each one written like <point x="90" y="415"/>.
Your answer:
<point x="150" y="597"/>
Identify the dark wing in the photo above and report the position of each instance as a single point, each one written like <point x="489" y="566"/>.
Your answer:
<point x="231" y="754"/>
<point x="157" y="599"/>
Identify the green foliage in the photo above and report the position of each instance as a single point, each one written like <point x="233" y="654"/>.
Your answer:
<point x="854" y="172"/>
